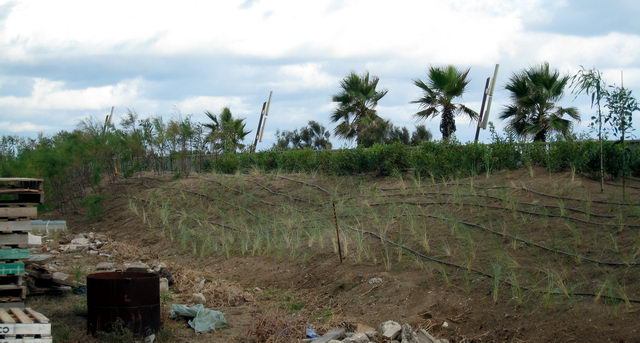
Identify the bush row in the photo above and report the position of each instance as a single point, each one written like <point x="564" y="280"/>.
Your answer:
<point x="439" y="159"/>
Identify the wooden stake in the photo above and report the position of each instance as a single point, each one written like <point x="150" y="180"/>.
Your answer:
<point x="335" y="219"/>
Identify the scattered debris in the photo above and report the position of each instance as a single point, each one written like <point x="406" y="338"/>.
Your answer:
<point x="329" y="336"/>
<point x="375" y="281"/>
<point x="391" y="332"/>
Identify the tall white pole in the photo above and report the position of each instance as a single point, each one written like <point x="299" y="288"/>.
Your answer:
<point x="266" y="114"/>
<point x="485" y="116"/>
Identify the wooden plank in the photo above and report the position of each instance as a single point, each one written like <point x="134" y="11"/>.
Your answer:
<point x="22" y="317"/>
<point x="10" y="287"/>
<point x="39" y="317"/>
<point x="19" y="329"/>
<point x="19" y="239"/>
<point x="16" y="225"/>
<point x="27" y="340"/>
<point x="19" y="179"/>
<point x="30" y="212"/>
<point x="14" y="254"/>
<point x="5" y="317"/>
<point x="12" y="268"/>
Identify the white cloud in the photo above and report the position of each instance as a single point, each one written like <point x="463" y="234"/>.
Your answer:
<point x="24" y="126"/>
<point x="48" y="94"/>
<point x="199" y="104"/>
<point x="415" y="28"/>
<point x="294" y="77"/>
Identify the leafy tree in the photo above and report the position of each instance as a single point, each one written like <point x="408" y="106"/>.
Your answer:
<point x="443" y="86"/>
<point x="384" y="132"/>
<point x="591" y="83"/>
<point x="226" y="132"/>
<point x="533" y="112"/>
<point x="377" y="132"/>
<point x="420" y="135"/>
<point x="621" y="104"/>
<point x="357" y="101"/>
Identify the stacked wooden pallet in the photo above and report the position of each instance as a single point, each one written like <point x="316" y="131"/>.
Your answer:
<point x="19" y="198"/>
<point x="24" y="325"/>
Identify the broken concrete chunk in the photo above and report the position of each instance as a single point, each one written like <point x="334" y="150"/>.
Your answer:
<point x="105" y="266"/>
<point x="329" y="336"/>
<point x="390" y="329"/>
<point x="80" y="241"/>
<point x="357" y="338"/>
<point x="60" y="276"/>
<point x="425" y="337"/>
<point x="136" y="267"/>
<point x="164" y="285"/>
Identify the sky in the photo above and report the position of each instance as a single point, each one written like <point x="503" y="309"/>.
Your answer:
<point x="65" y="60"/>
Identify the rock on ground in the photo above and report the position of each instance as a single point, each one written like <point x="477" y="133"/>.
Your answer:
<point x="198" y="298"/>
<point x="357" y="338"/>
<point x="390" y="329"/>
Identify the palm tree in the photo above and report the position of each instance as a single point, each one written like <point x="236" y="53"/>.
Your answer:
<point x="444" y="84"/>
<point x="315" y="136"/>
<point x="356" y="104"/>
<point x="533" y="112"/>
<point x="226" y="132"/>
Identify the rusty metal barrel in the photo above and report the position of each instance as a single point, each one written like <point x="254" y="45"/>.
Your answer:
<point x="129" y="300"/>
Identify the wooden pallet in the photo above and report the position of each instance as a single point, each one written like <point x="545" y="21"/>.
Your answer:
<point x="19" y="239"/>
<point x="22" y="190"/>
<point x="12" y="292"/>
<point x="16" y="226"/>
<point x="24" y="325"/>
<point x="18" y="212"/>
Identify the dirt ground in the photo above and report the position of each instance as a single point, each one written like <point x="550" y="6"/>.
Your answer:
<point x="320" y="292"/>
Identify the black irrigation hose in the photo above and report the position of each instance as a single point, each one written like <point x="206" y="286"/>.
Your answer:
<point x="575" y="199"/>
<point x="479" y="272"/>
<point x="252" y="196"/>
<point x="240" y="192"/>
<point x="519" y="188"/>
<point x="204" y="196"/>
<point x="224" y="226"/>
<point x="282" y="194"/>
<point x="417" y="203"/>
<point x="617" y="185"/>
<point x="306" y="184"/>
<point x="591" y="214"/>
<point x="527" y="242"/>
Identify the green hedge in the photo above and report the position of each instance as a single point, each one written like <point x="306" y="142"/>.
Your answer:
<point x="439" y="159"/>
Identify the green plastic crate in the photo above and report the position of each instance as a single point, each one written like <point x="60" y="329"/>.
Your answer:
<point x="11" y="268"/>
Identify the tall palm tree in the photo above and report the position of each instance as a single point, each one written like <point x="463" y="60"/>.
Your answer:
<point x="356" y="100"/>
<point x="226" y="132"/>
<point x="533" y="111"/>
<point x="444" y="84"/>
